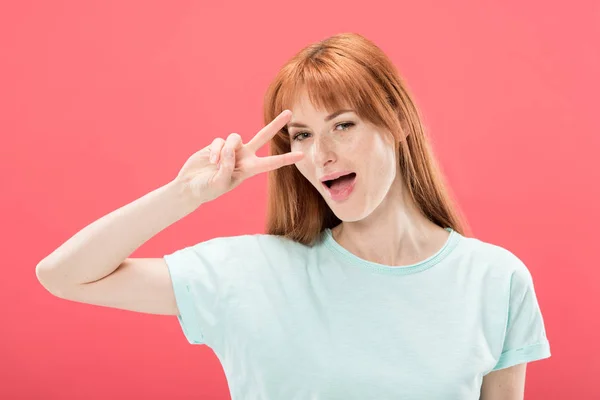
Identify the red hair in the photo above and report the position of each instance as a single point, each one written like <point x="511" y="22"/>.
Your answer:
<point x="348" y="70"/>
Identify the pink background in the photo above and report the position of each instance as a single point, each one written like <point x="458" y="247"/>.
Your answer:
<point x="102" y="102"/>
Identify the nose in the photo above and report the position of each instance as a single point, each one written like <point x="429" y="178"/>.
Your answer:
<point x="323" y="150"/>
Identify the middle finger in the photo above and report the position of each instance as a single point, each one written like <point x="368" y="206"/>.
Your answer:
<point x="232" y="143"/>
<point x="270" y="130"/>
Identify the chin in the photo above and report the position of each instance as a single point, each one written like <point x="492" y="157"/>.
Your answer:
<point x="349" y="212"/>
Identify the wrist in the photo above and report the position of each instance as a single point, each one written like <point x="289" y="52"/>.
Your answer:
<point x="182" y="196"/>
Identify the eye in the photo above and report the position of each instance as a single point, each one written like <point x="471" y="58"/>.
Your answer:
<point x="346" y="125"/>
<point x="298" y="134"/>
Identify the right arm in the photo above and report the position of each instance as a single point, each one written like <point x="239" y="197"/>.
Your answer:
<point x="93" y="266"/>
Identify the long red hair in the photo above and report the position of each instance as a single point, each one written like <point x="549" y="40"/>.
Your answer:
<point x="348" y="70"/>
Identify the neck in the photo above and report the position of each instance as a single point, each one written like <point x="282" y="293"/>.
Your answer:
<point x="395" y="233"/>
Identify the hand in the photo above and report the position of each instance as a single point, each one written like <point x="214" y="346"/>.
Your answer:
<point x="224" y="164"/>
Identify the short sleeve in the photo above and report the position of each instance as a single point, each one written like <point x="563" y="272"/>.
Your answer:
<point x="202" y="276"/>
<point x="525" y="335"/>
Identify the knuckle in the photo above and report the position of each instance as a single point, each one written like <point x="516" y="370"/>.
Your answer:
<point x="226" y="151"/>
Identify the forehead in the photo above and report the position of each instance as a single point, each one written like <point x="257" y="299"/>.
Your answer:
<point x="302" y="104"/>
<point x="303" y="108"/>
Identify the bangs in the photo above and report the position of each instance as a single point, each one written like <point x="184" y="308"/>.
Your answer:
<point x="331" y="85"/>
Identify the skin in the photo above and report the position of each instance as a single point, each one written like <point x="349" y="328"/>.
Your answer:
<point x="505" y="384"/>
<point x="379" y="222"/>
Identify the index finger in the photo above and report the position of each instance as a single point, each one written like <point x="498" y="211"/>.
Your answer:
<point x="270" y="130"/>
<point x="269" y="163"/>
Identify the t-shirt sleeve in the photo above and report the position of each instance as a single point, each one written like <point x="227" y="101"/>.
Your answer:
<point x="525" y="335"/>
<point x="202" y="276"/>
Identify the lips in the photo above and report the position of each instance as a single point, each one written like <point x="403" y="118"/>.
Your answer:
<point x="334" y="175"/>
<point x="340" y="189"/>
<point x="329" y="182"/>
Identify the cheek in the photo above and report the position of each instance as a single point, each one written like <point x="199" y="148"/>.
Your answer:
<point x="304" y="168"/>
<point x="356" y="145"/>
<point x="384" y="162"/>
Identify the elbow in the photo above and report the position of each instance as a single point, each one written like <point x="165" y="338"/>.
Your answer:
<point x="46" y="276"/>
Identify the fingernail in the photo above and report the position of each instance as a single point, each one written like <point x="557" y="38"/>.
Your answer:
<point x="228" y="152"/>
<point x="213" y="158"/>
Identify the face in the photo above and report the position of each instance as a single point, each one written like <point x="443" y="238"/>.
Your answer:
<point x="344" y="143"/>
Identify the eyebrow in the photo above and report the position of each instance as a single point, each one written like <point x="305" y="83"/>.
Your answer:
<point x="327" y="118"/>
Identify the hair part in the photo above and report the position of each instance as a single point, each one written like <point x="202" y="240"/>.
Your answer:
<point x="349" y="71"/>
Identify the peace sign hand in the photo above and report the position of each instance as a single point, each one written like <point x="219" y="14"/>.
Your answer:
<point x="224" y="164"/>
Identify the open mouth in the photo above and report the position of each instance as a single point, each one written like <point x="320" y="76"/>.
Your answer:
<point x="342" y="180"/>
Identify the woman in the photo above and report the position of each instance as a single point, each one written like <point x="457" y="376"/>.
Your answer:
<point x="363" y="287"/>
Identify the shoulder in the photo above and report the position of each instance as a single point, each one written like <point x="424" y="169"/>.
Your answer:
<point x="248" y="246"/>
<point x="495" y="259"/>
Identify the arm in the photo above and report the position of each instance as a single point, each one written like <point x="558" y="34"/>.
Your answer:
<point x="92" y="266"/>
<point x="504" y="384"/>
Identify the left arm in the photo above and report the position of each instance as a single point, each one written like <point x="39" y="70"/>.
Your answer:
<point x="504" y="384"/>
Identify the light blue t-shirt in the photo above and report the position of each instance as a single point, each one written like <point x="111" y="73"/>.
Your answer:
<point x="289" y="321"/>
